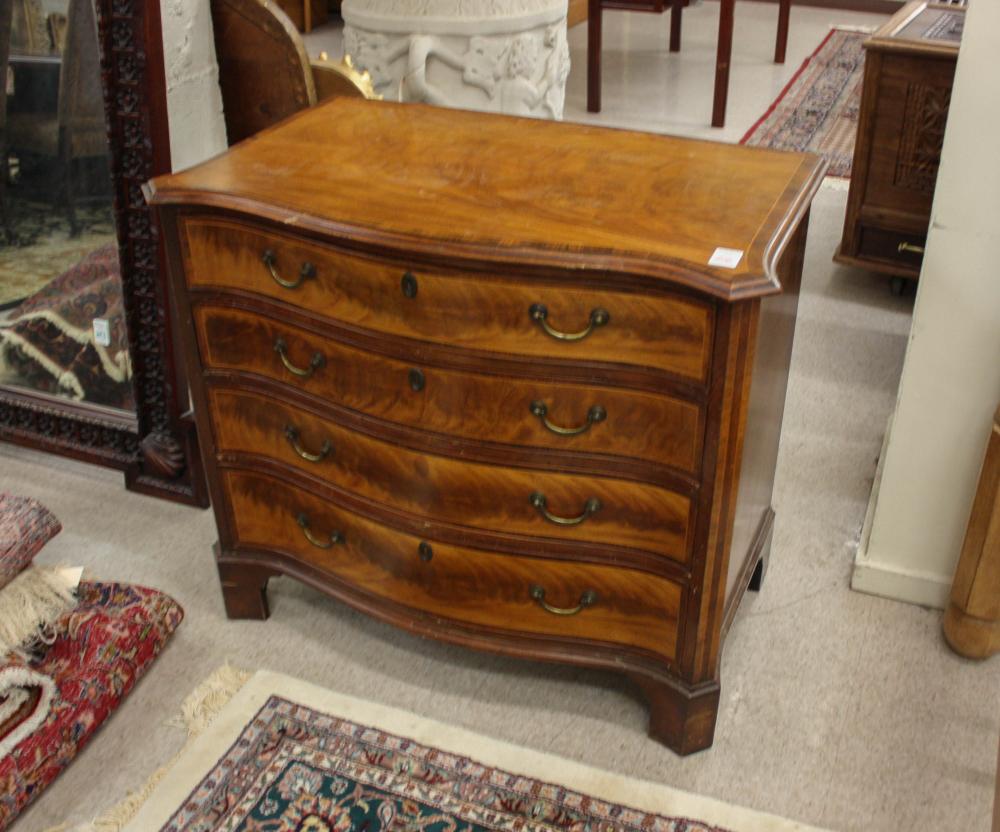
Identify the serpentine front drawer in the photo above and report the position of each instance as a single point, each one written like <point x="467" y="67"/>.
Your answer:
<point x="537" y="596"/>
<point x="574" y="509"/>
<point x="488" y="312"/>
<point x="480" y="406"/>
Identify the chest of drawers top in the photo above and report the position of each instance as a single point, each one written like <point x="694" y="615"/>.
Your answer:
<point x="459" y="186"/>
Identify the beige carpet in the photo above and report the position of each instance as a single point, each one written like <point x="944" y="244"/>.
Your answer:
<point x="838" y="709"/>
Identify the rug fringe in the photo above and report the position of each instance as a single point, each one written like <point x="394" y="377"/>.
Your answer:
<point x="33" y="602"/>
<point x="198" y="711"/>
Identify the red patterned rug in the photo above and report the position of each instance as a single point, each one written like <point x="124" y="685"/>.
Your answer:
<point x="818" y="110"/>
<point x="101" y="648"/>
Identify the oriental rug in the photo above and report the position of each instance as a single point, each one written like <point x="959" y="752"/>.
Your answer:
<point x="285" y="755"/>
<point x="818" y="110"/>
<point x="70" y="687"/>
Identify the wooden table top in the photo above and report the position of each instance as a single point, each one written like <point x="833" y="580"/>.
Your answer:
<point x="502" y="191"/>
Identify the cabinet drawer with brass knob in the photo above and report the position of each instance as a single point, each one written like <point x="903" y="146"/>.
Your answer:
<point x="590" y="602"/>
<point x="540" y="415"/>
<point x="474" y="311"/>
<point x="502" y="499"/>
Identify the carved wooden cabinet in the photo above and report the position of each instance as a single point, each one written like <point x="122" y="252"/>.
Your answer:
<point x="475" y="375"/>
<point x="909" y="69"/>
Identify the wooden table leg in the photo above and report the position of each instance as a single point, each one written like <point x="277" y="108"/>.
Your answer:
<point x="675" y="25"/>
<point x="722" y="58"/>
<point x="594" y="56"/>
<point x="781" y="42"/>
<point x="972" y="620"/>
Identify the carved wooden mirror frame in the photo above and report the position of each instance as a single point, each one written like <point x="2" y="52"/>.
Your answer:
<point x="156" y="447"/>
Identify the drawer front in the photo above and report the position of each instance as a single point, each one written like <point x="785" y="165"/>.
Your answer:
<point x="629" y="607"/>
<point x="476" y="312"/>
<point x="592" y="509"/>
<point x="464" y="404"/>
<point x="903" y="248"/>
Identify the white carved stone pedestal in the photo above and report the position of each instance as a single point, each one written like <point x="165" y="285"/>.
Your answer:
<point x="504" y="56"/>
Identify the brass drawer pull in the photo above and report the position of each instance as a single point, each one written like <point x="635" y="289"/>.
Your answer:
<point x="912" y="249"/>
<point x="592" y="506"/>
<point x="540" y="313"/>
<point x="270" y="260"/>
<point x="292" y="435"/>
<point x="588" y="599"/>
<point x="594" y="415"/>
<point x="335" y="537"/>
<point x="315" y="363"/>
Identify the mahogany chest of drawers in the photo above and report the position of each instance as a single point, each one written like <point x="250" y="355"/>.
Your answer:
<point x="475" y="375"/>
<point x="909" y="70"/>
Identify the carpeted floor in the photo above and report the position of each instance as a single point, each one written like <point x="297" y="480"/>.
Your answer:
<point x="818" y="110"/>
<point x="43" y="247"/>
<point x="838" y="709"/>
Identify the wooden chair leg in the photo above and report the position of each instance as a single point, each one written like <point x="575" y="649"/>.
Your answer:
<point x="676" y="7"/>
<point x="722" y="59"/>
<point x="594" y="56"/>
<point x="781" y="42"/>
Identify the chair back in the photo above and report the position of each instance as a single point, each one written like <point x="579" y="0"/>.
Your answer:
<point x="264" y="71"/>
<point x="81" y="96"/>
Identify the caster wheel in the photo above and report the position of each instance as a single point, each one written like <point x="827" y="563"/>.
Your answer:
<point x="897" y="285"/>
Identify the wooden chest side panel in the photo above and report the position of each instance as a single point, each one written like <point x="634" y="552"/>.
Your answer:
<point x="633" y="608"/>
<point x="458" y="491"/>
<point x="765" y="410"/>
<point x="465" y="404"/>
<point x="472" y="311"/>
<point x="913" y="98"/>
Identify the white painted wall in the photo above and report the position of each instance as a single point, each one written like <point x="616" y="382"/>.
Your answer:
<point x="194" y="103"/>
<point x="950" y="384"/>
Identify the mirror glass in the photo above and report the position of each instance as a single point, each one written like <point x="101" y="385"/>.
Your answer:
<point x="62" y="323"/>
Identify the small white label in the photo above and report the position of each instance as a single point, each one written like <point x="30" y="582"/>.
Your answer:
<point x="726" y="258"/>
<point x="102" y="332"/>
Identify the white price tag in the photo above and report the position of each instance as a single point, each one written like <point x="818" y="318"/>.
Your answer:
<point x="102" y="332"/>
<point x="726" y="258"/>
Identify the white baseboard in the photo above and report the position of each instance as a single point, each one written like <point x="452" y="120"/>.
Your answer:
<point x="909" y="585"/>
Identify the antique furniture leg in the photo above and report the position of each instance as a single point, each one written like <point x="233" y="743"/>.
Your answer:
<point x="244" y="590"/>
<point x="722" y="59"/>
<point x="681" y="718"/>
<point x="594" y="56"/>
<point x="675" y="25"/>
<point x="781" y="42"/>
<point x="972" y="620"/>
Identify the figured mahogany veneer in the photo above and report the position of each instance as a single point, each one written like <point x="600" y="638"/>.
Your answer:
<point x="388" y="413"/>
<point x="434" y="487"/>
<point x="632" y="608"/>
<point x="672" y="333"/>
<point x="453" y="402"/>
